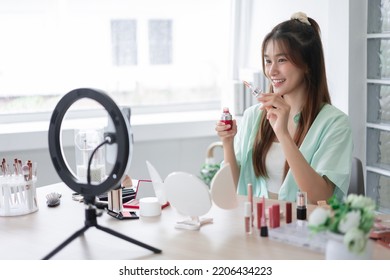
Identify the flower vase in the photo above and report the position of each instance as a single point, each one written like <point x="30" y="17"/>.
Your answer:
<point x="336" y="249"/>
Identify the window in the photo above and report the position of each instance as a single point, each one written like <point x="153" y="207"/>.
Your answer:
<point x="160" y="41"/>
<point x="150" y="54"/>
<point x="124" y="42"/>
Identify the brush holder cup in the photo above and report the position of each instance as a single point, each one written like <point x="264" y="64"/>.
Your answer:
<point x="17" y="196"/>
<point x="86" y="140"/>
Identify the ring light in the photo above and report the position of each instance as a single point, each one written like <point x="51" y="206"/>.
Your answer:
<point x="113" y="181"/>
<point x="121" y="138"/>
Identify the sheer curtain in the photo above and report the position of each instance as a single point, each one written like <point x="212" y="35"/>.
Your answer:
<point x="241" y="41"/>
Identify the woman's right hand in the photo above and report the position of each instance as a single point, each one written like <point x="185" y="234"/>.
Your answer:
<point x="224" y="132"/>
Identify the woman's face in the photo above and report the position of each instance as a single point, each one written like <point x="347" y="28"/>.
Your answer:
<point x="285" y="77"/>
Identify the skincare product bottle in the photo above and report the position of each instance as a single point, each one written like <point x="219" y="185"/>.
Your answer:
<point x="248" y="217"/>
<point x="227" y="118"/>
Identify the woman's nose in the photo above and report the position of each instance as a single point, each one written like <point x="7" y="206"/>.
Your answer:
<point x="273" y="68"/>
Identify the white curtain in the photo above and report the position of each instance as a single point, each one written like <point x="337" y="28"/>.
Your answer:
<point x="241" y="41"/>
<point x="241" y="30"/>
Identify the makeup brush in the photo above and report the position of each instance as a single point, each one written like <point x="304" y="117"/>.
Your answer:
<point x="25" y="172"/>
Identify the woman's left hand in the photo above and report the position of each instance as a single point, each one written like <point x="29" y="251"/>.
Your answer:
<point x="277" y="111"/>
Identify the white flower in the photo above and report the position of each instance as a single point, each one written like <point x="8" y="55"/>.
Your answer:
<point x="349" y="221"/>
<point x="352" y="217"/>
<point x="318" y="217"/>
<point x="360" y="202"/>
<point x="355" y="240"/>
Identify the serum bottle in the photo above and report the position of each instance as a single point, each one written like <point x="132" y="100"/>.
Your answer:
<point x="227" y="118"/>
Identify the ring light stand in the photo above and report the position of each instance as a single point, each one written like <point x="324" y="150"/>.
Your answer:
<point x="113" y="181"/>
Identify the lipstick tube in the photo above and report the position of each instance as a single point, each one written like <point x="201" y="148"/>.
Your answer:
<point x="275" y="215"/>
<point x="288" y="212"/>
<point x="259" y="213"/>
<point x="263" y="227"/>
<point x="301" y="206"/>
<point x="250" y="199"/>
<point x="271" y="216"/>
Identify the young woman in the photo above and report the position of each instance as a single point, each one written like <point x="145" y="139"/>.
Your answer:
<point x="294" y="139"/>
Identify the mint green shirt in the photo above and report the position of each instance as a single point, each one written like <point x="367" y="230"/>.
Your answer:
<point x="327" y="147"/>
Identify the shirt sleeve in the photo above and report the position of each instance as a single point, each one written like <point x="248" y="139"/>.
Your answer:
<point x="327" y="147"/>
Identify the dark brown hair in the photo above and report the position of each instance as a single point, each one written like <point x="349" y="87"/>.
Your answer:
<point x="302" y="44"/>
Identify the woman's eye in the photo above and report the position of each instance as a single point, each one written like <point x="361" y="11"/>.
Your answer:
<point x="282" y="59"/>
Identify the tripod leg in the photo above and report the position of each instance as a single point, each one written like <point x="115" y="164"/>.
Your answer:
<point x="66" y="242"/>
<point x="117" y="234"/>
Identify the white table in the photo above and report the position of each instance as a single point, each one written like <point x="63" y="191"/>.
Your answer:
<point x="35" y="235"/>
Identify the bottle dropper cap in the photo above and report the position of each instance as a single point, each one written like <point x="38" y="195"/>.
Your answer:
<point x="226" y="110"/>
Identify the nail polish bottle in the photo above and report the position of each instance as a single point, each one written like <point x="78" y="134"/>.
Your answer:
<point x="227" y="118"/>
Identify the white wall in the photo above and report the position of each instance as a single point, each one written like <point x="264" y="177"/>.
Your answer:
<point x="343" y="26"/>
<point x="266" y="14"/>
<point x="334" y="31"/>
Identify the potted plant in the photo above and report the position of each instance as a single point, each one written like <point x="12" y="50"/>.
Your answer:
<point x="348" y="222"/>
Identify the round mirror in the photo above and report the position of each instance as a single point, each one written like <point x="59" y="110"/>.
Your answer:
<point x="188" y="194"/>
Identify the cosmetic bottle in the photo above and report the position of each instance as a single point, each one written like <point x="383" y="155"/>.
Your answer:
<point x="250" y="199"/>
<point x="301" y="207"/>
<point x="274" y="216"/>
<point x="288" y="212"/>
<point x="227" y="118"/>
<point x="263" y="225"/>
<point x="86" y="140"/>
<point x="248" y="217"/>
<point x="259" y="213"/>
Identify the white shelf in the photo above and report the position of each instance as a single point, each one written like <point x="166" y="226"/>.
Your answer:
<point x="374" y="44"/>
<point x="378" y="81"/>
<point x="378" y="36"/>
<point x="381" y="126"/>
<point x="378" y="170"/>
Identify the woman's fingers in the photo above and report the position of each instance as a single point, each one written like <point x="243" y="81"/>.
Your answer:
<point x="271" y="100"/>
<point x="225" y="131"/>
<point x="221" y="126"/>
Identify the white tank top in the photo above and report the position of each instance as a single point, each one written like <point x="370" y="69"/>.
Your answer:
<point x="274" y="163"/>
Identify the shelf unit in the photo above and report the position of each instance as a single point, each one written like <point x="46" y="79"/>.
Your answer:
<point x="378" y="103"/>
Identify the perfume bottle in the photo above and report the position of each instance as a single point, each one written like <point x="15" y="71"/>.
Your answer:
<point x="227" y="118"/>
